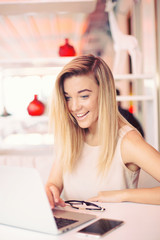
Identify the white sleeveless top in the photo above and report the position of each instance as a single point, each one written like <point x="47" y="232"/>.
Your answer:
<point x="84" y="182"/>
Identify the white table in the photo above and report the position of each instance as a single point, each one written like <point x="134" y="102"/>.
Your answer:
<point x="141" y="222"/>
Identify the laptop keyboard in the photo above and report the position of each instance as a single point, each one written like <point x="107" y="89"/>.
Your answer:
<point x="63" y="222"/>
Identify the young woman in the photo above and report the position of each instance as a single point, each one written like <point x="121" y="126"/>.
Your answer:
<point x="98" y="154"/>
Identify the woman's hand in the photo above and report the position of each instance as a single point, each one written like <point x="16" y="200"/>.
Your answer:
<point x="53" y="195"/>
<point x="109" y="196"/>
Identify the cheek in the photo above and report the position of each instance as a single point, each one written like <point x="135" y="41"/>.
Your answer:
<point x="96" y="113"/>
<point x="95" y="104"/>
<point x="68" y="106"/>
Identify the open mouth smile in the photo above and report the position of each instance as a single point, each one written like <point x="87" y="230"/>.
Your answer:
<point x="81" y="115"/>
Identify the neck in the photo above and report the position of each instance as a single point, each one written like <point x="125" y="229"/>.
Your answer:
<point x="91" y="136"/>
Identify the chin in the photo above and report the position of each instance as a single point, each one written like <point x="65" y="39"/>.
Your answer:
<point x="83" y="125"/>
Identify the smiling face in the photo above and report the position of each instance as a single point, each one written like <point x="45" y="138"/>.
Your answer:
<point x="81" y="93"/>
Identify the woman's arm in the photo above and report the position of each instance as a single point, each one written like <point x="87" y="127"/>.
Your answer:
<point x="54" y="185"/>
<point x="145" y="195"/>
<point x="136" y="153"/>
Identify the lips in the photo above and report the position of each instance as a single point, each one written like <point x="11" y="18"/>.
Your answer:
<point x="81" y="115"/>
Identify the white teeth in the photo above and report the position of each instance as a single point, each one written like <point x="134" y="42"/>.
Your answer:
<point x="80" y="115"/>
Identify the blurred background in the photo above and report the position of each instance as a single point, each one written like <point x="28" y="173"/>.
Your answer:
<point x="37" y="38"/>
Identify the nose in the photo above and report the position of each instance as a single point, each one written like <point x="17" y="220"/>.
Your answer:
<point x="74" y="105"/>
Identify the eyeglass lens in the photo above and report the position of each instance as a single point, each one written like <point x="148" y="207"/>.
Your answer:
<point x="78" y="205"/>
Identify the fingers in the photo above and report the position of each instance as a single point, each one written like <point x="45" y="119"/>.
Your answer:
<point x="54" y="197"/>
<point x="55" y="193"/>
<point x="50" y="197"/>
<point x="93" y="199"/>
<point x="108" y="196"/>
<point x="62" y="203"/>
<point x="99" y="198"/>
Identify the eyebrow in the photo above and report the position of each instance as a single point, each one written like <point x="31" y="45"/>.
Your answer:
<point x="84" y="90"/>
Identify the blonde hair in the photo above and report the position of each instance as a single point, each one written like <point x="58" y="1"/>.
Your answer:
<point x="68" y="136"/>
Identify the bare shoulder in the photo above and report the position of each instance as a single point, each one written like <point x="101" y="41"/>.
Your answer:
<point x="128" y="146"/>
<point x="133" y="141"/>
<point x="132" y="137"/>
<point x="136" y="151"/>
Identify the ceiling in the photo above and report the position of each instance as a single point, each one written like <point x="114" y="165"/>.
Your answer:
<point x="32" y="31"/>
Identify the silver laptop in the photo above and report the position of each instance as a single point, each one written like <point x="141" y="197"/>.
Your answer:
<point x="24" y="204"/>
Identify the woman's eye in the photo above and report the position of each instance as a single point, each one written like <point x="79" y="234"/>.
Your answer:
<point x="85" y="96"/>
<point x="67" y="98"/>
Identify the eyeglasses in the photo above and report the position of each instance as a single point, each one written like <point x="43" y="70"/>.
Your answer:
<point x="77" y="205"/>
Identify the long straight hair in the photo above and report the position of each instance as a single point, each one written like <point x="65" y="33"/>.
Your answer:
<point x="68" y="136"/>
